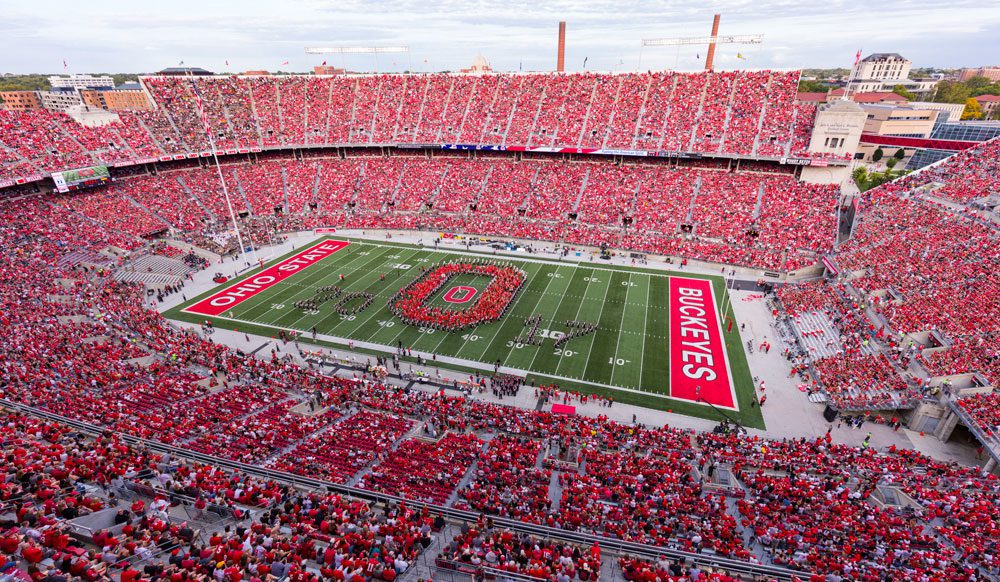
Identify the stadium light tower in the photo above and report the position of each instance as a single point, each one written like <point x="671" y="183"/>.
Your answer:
<point x="711" y="41"/>
<point x="362" y="50"/>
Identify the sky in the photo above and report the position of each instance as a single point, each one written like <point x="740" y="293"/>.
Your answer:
<point x="146" y="36"/>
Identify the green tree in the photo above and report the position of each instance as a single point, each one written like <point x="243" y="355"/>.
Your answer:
<point x="813" y="87"/>
<point x="860" y="176"/>
<point x="977" y="83"/>
<point x="877" y="155"/>
<point x="900" y="154"/>
<point x="891" y="163"/>
<point x="902" y="92"/>
<point x="33" y="82"/>
<point x="951" y="92"/>
<point x="972" y="109"/>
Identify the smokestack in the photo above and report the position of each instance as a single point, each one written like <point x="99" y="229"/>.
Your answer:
<point x="711" y="43"/>
<point x="561" y="56"/>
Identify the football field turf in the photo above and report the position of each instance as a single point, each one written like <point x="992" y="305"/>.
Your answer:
<point x="641" y="352"/>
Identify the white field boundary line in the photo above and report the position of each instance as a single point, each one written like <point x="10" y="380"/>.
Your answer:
<point x="566" y="263"/>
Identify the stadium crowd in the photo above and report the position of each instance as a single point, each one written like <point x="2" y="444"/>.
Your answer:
<point x="746" y="113"/>
<point x="82" y="345"/>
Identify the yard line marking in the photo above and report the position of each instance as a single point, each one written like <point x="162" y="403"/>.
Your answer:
<point x="618" y="342"/>
<point x="335" y="276"/>
<point x="334" y="330"/>
<point x="645" y="316"/>
<point x="593" y="336"/>
<point x="531" y="366"/>
<point x="310" y="289"/>
<point x="388" y="291"/>
<point x="579" y="307"/>
<point x="530" y="312"/>
<point x="489" y="343"/>
<point x="407" y="326"/>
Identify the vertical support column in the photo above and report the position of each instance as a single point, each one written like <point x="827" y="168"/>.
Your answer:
<point x="561" y="55"/>
<point x="711" y="43"/>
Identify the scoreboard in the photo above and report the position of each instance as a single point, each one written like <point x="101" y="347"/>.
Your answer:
<point x="78" y="179"/>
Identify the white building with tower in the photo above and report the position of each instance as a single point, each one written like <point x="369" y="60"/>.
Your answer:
<point x="882" y="72"/>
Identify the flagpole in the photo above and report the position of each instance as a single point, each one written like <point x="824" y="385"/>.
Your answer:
<point x="218" y="169"/>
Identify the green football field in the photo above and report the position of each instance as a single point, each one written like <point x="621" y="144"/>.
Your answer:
<point x="627" y="357"/>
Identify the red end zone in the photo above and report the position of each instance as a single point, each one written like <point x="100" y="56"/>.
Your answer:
<point x="699" y="365"/>
<point x="238" y="293"/>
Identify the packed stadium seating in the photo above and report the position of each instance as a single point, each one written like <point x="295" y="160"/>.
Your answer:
<point x="920" y="266"/>
<point x="744" y="113"/>
<point x="82" y="345"/>
<point x="754" y="219"/>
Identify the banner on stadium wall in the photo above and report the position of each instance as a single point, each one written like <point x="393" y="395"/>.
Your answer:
<point x="324" y="230"/>
<point x="70" y="180"/>
<point x="796" y="161"/>
<point x="542" y="149"/>
<point x="473" y="147"/>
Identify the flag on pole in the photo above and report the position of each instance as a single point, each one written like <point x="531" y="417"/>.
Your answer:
<point x="65" y="66"/>
<point x="201" y="107"/>
<point x="857" y="58"/>
<point x="286" y="62"/>
<point x="324" y="64"/>
<point x="227" y="62"/>
<point x="180" y="64"/>
<point x="740" y="56"/>
<point x="585" y="62"/>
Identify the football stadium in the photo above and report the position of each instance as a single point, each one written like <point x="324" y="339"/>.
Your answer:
<point x="651" y="325"/>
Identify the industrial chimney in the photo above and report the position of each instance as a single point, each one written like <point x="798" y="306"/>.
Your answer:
<point x="561" y="57"/>
<point x="709" y="61"/>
